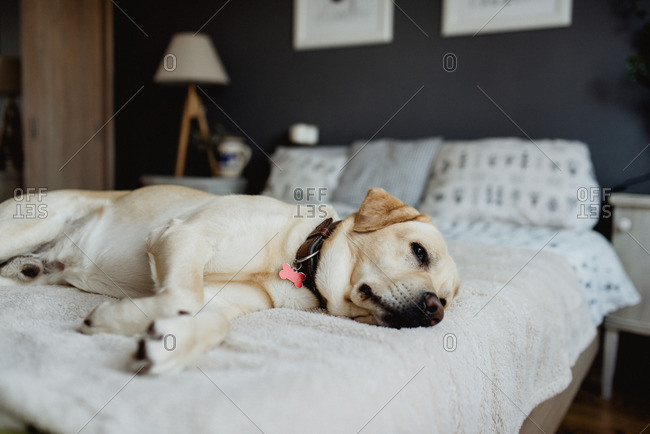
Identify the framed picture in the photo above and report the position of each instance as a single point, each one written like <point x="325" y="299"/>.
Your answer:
<point x="341" y="23"/>
<point x="474" y="17"/>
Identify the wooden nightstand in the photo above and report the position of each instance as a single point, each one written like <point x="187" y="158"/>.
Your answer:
<point x="631" y="240"/>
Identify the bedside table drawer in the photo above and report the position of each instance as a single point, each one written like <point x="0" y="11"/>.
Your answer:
<point x="631" y="240"/>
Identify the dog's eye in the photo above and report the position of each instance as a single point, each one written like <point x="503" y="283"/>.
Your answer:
<point x="420" y="254"/>
<point x="443" y="301"/>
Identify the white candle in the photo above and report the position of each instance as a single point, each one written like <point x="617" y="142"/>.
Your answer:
<point x="303" y="134"/>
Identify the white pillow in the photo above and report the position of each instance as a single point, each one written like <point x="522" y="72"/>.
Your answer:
<point x="401" y="167"/>
<point x="547" y="183"/>
<point x="305" y="175"/>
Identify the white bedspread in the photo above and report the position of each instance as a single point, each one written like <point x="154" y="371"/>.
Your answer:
<point x="506" y="344"/>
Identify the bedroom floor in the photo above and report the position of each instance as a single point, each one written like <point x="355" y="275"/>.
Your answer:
<point x="629" y="409"/>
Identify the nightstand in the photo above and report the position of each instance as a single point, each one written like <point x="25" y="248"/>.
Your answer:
<point x="214" y="185"/>
<point x="631" y="240"/>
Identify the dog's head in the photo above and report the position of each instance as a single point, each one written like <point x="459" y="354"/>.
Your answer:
<point x="400" y="273"/>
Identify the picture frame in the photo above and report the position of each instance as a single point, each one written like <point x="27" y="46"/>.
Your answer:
<point x="320" y="24"/>
<point x="474" y="17"/>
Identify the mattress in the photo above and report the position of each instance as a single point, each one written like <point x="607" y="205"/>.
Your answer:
<point x="507" y="343"/>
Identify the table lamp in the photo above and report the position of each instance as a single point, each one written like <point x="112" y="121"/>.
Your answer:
<point x="11" y="152"/>
<point x="190" y="59"/>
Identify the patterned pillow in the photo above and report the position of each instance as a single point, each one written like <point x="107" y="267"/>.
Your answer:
<point x="400" y="167"/>
<point x="305" y="175"/>
<point x="547" y="183"/>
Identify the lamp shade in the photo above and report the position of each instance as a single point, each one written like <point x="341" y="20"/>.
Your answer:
<point x="9" y="75"/>
<point x="191" y="58"/>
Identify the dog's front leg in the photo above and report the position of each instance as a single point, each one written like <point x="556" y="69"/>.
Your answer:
<point x="177" y="253"/>
<point x="173" y="344"/>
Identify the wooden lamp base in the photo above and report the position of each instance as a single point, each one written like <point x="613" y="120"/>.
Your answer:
<point x="193" y="110"/>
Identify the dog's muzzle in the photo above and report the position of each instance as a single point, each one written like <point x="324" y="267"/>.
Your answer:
<point x="426" y="313"/>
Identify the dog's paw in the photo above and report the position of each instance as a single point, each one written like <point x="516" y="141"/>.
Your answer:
<point x="169" y="346"/>
<point x="22" y="268"/>
<point x="122" y="317"/>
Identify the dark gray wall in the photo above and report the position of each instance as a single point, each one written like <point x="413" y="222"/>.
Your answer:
<point x="9" y="28"/>
<point x="560" y="83"/>
<point x="9" y="34"/>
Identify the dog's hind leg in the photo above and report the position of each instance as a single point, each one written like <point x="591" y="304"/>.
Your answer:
<point x="22" y="269"/>
<point x="30" y="220"/>
<point x="25" y="226"/>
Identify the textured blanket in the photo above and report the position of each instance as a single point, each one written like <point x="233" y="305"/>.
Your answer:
<point x="506" y="344"/>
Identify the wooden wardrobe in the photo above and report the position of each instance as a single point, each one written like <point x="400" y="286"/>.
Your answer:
<point x="67" y="93"/>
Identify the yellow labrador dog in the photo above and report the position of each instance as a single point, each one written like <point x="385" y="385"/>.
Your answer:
<point x="185" y="263"/>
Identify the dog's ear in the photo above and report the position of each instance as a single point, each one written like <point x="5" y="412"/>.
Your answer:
<point x="380" y="209"/>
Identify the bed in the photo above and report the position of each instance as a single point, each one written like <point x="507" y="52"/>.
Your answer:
<point x="508" y="356"/>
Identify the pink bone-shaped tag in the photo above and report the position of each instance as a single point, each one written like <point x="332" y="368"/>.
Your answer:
<point x="294" y="276"/>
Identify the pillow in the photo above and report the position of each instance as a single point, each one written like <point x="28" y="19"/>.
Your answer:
<point x="305" y="175"/>
<point x="513" y="180"/>
<point x="344" y="209"/>
<point x="400" y="167"/>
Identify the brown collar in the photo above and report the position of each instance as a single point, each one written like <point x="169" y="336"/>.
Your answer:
<point x="308" y="255"/>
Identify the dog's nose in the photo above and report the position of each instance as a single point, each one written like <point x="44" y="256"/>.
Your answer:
<point x="433" y="308"/>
